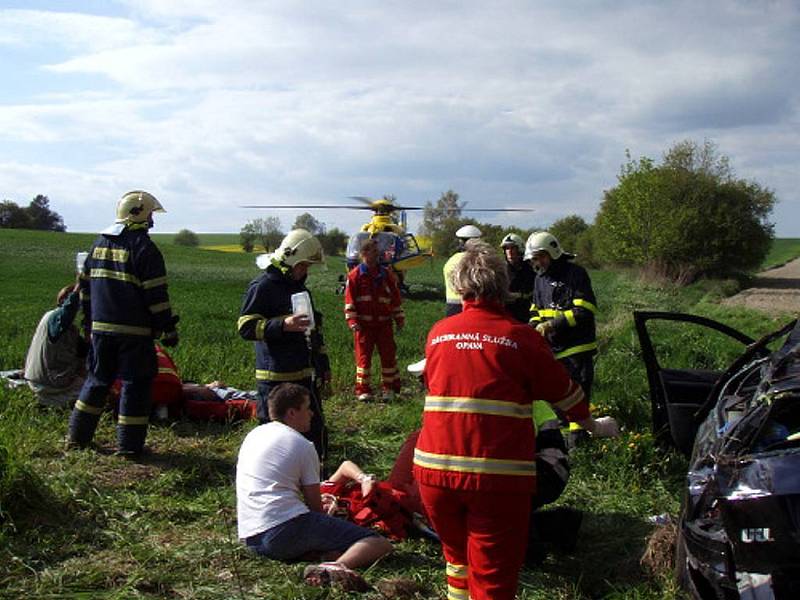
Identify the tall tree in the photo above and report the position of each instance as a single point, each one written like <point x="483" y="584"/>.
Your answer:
<point x="44" y="218"/>
<point x="267" y="232"/>
<point x="309" y="223"/>
<point x="434" y="218"/>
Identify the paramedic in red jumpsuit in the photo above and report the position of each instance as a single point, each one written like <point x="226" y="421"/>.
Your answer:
<point x="474" y="459"/>
<point x="371" y="302"/>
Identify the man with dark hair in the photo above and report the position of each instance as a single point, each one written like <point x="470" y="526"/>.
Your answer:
<point x="278" y="501"/>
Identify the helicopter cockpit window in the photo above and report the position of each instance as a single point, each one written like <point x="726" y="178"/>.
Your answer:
<point x="389" y="246"/>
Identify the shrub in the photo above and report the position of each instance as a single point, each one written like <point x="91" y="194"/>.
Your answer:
<point x="185" y="237"/>
<point x="685" y="218"/>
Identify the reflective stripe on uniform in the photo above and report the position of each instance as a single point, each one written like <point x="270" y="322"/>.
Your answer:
<point x="118" y="328"/>
<point x="457" y="571"/>
<point x="167" y="371"/>
<point x="577" y="350"/>
<point x="112" y="254"/>
<point x="585" y="304"/>
<point x="472" y="464"/>
<point x="151" y="283"/>
<point x="88" y="408"/>
<point x="478" y="406"/>
<point x="160" y="307"/>
<point x="112" y="274"/>
<point x="454" y="593"/>
<point x="264" y="375"/>
<point x="572" y="399"/>
<point x="570" y="316"/>
<point x="366" y="298"/>
<point x="130" y="420"/>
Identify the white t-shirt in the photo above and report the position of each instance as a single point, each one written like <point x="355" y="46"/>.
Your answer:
<point x="274" y="462"/>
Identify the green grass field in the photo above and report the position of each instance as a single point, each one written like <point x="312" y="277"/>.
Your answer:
<point x="87" y="524"/>
<point x="783" y="250"/>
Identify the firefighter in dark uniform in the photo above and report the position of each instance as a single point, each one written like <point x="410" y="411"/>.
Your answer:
<point x="286" y="350"/>
<point x="520" y="277"/>
<point x="563" y="310"/>
<point x="123" y="288"/>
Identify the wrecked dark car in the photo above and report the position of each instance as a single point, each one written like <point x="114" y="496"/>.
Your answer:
<point x="739" y="530"/>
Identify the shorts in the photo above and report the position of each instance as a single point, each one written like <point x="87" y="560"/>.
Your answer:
<point x="307" y="533"/>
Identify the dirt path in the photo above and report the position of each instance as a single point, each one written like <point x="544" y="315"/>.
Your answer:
<point x="776" y="290"/>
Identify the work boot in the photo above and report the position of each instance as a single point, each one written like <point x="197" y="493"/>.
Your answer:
<point x="364" y="397"/>
<point x="387" y="395"/>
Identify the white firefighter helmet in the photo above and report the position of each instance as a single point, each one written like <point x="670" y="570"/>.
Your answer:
<point x="299" y="246"/>
<point x="543" y="241"/>
<point x="137" y="206"/>
<point x="468" y="232"/>
<point x="512" y="239"/>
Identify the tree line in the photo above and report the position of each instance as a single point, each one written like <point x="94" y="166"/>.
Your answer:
<point x="685" y="217"/>
<point x="37" y="215"/>
<point x="267" y="232"/>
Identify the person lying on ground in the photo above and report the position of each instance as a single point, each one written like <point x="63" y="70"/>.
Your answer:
<point x="278" y="501"/>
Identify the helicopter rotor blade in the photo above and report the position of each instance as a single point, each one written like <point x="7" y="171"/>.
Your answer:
<point x="295" y="206"/>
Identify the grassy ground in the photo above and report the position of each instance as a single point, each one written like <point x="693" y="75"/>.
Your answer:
<point x="89" y="524"/>
<point x="783" y="250"/>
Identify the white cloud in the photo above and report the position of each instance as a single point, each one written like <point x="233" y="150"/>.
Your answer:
<point x="217" y="105"/>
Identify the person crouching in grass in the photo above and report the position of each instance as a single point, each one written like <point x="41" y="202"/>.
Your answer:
<point x="278" y="501"/>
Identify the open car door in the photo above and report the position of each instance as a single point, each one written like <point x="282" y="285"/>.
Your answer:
<point x="680" y="397"/>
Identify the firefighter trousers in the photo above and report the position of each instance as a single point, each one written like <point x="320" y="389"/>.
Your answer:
<point x="365" y="341"/>
<point x="131" y="359"/>
<point x="484" y="535"/>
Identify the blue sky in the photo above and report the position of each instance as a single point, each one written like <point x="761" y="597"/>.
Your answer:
<point x="210" y="105"/>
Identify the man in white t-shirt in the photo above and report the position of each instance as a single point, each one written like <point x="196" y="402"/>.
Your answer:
<point x="278" y="500"/>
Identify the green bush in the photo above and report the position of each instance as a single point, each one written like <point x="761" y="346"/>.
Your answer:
<point x="686" y="217"/>
<point x="185" y="237"/>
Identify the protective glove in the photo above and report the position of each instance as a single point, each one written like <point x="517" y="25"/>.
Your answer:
<point x="170" y="339"/>
<point x="545" y="328"/>
<point x="605" y="427"/>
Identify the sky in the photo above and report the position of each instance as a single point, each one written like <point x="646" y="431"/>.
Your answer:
<point x="211" y="105"/>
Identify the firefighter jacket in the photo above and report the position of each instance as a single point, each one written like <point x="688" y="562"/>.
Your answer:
<point x="564" y="295"/>
<point x="451" y="296"/>
<point x="123" y="286"/>
<point x="280" y="355"/>
<point x="372" y="297"/>
<point x="521" y="279"/>
<point x="483" y="372"/>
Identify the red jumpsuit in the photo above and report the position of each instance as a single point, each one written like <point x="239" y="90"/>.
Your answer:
<point x="474" y="459"/>
<point x="372" y="301"/>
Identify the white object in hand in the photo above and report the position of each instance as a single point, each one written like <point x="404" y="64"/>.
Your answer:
<point x="80" y="260"/>
<point x="301" y="305"/>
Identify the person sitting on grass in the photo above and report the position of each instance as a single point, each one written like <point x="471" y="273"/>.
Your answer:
<point x="278" y="500"/>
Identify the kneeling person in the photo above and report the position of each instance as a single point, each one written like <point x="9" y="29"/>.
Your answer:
<point x="278" y="500"/>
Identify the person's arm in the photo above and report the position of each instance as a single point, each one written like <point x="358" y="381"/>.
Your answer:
<point x="61" y="318"/>
<point x="350" y="470"/>
<point x="350" y="313"/>
<point x="398" y="314"/>
<point x="312" y="497"/>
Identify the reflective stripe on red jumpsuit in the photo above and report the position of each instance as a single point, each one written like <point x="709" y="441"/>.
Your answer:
<point x="474" y="459"/>
<point x="372" y="300"/>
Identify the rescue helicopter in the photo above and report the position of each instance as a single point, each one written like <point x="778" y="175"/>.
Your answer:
<point x="397" y="247"/>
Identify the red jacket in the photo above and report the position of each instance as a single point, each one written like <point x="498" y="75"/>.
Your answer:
<point x="483" y="371"/>
<point x="372" y="297"/>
